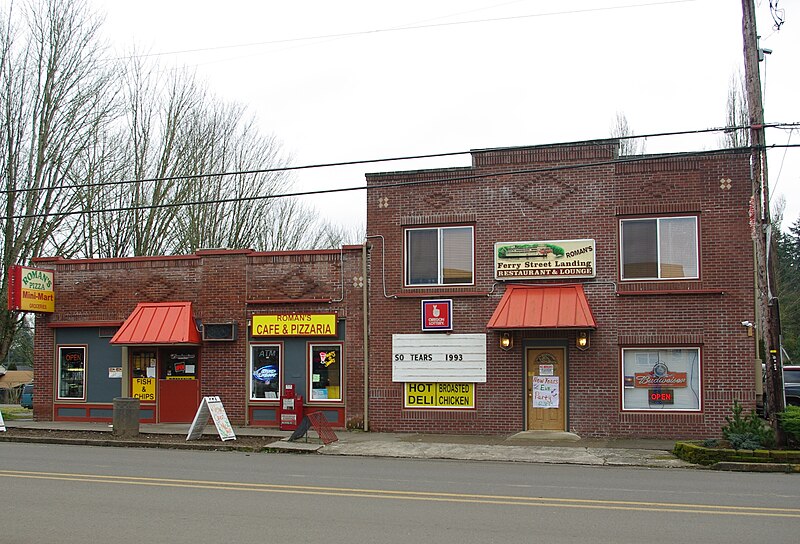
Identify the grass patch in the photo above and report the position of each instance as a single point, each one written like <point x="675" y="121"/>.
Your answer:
<point x="16" y="412"/>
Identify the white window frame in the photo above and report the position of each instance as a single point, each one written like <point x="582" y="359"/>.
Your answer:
<point x="312" y="348"/>
<point x="658" y="221"/>
<point x="439" y="264"/>
<point x="694" y="386"/>
<point x="253" y="347"/>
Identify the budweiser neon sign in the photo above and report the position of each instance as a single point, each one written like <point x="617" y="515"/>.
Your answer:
<point x="648" y="379"/>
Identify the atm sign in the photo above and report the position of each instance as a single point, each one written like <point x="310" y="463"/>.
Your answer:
<point x="661" y="396"/>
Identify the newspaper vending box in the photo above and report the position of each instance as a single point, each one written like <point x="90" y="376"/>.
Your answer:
<point x="291" y="412"/>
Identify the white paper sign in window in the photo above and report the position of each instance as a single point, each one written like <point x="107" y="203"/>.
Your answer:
<point x="545" y="391"/>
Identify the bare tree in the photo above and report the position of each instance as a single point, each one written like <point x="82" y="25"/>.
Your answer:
<point x="55" y="93"/>
<point x="100" y="161"/>
<point x="736" y="114"/>
<point x="201" y="175"/>
<point x="627" y="145"/>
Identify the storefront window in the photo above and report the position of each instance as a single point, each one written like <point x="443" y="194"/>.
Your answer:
<point x="265" y="371"/>
<point x="143" y="364"/>
<point x="326" y="372"/>
<point x="659" y="248"/>
<point x="661" y="379"/>
<point x="71" y="372"/>
<point x="179" y="365"/>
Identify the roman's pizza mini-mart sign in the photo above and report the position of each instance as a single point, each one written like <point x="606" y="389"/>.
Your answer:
<point x="30" y="290"/>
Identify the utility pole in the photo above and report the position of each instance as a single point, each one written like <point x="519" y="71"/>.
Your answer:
<point x="769" y="317"/>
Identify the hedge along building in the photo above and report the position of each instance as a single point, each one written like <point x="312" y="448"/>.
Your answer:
<point x="236" y="324"/>
<point x="562" y="288"/>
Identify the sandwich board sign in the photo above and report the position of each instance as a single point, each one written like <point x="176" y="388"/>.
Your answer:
<point x="2" y="423"/>
<point x="211" y="407"/>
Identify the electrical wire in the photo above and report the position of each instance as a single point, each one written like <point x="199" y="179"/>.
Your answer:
<point x="778" y="15"/>
<point x="472" y="177"/>
<point x="778" y="178"/>
<point x="367" y="161"/>
<point x="403" y="28"/>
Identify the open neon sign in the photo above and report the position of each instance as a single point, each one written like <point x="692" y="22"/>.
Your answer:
<point x="661" y="396"/>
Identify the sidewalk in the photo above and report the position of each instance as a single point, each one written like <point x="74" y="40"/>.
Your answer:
<point x="525" y="447"/>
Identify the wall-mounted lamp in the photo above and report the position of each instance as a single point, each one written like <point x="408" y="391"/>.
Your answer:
<point x="506" y="341"/>
<point x="582" y="340"/>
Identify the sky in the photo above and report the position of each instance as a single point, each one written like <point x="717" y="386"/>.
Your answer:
<point x="356" y="80"/>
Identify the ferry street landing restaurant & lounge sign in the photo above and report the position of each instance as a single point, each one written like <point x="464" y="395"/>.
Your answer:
<point x="294" y="325"/>
<point x="544" y="260"/>
<point x="30" y="290"/>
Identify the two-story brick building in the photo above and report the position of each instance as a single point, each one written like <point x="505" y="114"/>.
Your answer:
<point x="554" y="287"/>
<point x="581" y="292"/>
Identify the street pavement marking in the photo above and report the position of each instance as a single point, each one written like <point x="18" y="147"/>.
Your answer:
<point x="417" y="495"/>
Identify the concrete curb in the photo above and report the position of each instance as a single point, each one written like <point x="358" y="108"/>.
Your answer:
<point x="221" y="446"/>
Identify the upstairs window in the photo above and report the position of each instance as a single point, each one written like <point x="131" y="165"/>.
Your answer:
<point x="663" y="248"/>
<point x="439" y="256"/>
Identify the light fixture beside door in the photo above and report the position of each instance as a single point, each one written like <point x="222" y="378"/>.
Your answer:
<point x="582" y="340"/>
<point x="506" y="341"/>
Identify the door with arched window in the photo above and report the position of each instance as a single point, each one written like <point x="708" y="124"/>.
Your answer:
<point x="545" y="384"/>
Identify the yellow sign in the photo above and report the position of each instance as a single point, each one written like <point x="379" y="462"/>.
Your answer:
<point x="294" y="325"/>
<point x="144" y="389"/>
<point x="30" y="290"/>
<point x="448" y="396"/>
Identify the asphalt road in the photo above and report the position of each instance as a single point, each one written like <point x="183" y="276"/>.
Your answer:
<point x="71" y="494"/>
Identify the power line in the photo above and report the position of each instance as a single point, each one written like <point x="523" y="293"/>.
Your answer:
<point x="632" y="159"/>
<point x="403" y="28"/>
<point x="365" y="161"/>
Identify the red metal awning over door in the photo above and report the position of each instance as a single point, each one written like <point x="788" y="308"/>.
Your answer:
<point x="159" y="323"/>
<point x="545" y="307"/>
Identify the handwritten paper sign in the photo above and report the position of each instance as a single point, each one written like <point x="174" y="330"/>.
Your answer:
<point x="545" y="391"/>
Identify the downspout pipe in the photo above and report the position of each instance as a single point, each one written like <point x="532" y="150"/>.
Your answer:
<point x="365" y="315"/>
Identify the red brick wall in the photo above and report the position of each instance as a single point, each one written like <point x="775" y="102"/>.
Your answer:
<point x="222" y="285"/>
<point x="546" y="203"/>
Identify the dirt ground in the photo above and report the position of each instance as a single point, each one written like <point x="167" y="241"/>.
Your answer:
<point x="149" y="440"/>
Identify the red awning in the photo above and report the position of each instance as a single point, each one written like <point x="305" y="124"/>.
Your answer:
<point x="159" y="323"/>
<point x="545" y="307"/>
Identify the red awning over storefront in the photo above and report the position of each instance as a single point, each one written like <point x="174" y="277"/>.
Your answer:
<point x="545" y="307"/>
<point x="159" y="323"/>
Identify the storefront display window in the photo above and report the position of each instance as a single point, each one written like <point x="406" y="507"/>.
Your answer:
<point x="179" y="365"/>
<point x="661" y="379"/>
<point x="72" y="372"/>
<point x="265" y="371"/>
<point x="439" y="256"/>
<point x="659" y="248"/>
<point x="143" y="364"/>
<point x="326" y="372"/>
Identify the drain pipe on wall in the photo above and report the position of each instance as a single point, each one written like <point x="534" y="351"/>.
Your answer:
<point x="365" y="316"/>
<point x="364" y="252"/>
